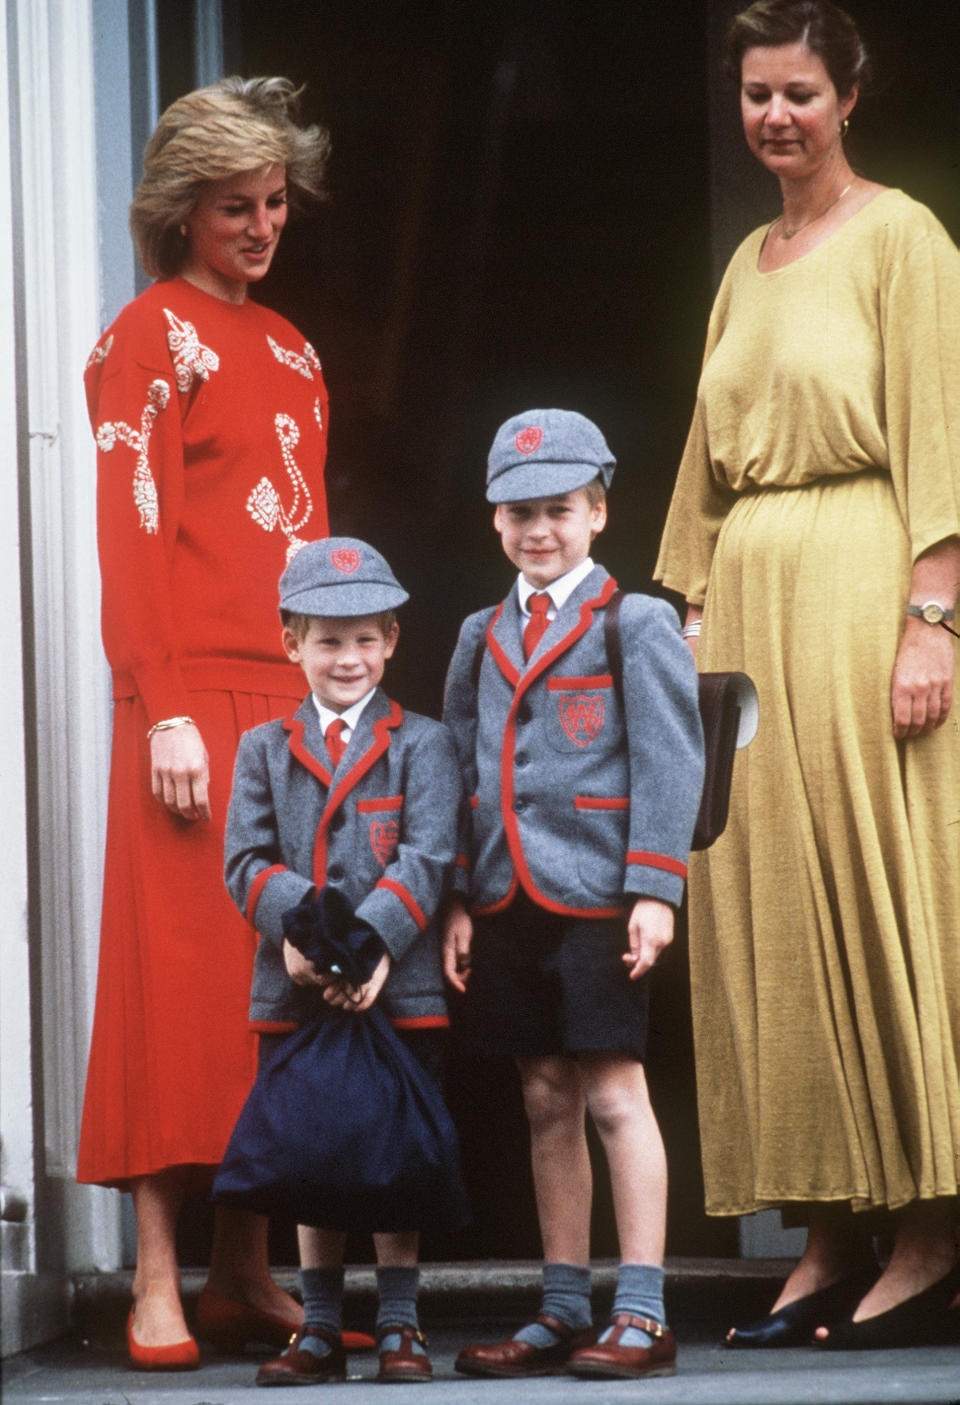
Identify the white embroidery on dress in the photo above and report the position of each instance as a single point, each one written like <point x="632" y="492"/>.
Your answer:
<point x="100" y="353"/>
<point x="302" y="364"/>
<point x="144" y="487"/>
<point x="318" y="414"/>
<point x="264" y="504"/>
<point x="191" y="359"/>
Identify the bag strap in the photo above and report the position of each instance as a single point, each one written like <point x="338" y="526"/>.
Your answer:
<point x="611" y="640"/>
<point x="481" y="650"/>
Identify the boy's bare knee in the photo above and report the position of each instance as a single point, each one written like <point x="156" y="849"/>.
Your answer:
<point x="552" y="1091"/>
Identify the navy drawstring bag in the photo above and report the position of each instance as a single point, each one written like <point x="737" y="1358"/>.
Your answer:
<point x="343" y="1128"/>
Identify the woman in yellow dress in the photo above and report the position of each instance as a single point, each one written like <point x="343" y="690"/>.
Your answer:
<point x="815" y="534"/>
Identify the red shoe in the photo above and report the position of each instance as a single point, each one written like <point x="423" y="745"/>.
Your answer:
<point x="178" y="1356"/>
<point x="231" y="1326"/>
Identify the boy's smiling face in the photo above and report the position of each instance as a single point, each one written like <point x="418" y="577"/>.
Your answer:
<point x="342" y="659"/>
<point x="547" y="537"/>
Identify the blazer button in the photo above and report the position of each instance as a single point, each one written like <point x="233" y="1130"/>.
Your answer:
<point x="519" y="805"/>
<point x="337" y="821"/>
<point x="334" y="873"/>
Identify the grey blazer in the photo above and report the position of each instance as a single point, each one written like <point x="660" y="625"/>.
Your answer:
<point x="382" y="828"/>
<point x="581" y="801"/>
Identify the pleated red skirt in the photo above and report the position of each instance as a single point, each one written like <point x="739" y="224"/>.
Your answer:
<point x="171" y="1057"/>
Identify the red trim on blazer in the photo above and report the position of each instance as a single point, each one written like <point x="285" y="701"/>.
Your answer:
<point x="402" y="1022"/>
<point x="563" y="685"/>
<point x="389" y="802"/>
<point x="510" y="825"/>
<point x="257" y="887"/>
<point x="461" y="861"/>
<point x="597" y="802"/>
<point x="380" y="743"/>
<point x="407" y="898"/>
<point x="640" y="856"/>
<point x="491" y="908"/>
<point x="493" y="644"/>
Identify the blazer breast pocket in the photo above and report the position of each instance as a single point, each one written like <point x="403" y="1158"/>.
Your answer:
<point x="582" y="715"/>
<point x="378" y="831"/>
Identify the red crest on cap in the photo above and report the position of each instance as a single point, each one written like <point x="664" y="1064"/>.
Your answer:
<point x="346" y="559"/>
<point x="529" y="440"/>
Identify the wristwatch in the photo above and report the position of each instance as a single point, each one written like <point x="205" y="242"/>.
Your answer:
<point x="931" y="611"/>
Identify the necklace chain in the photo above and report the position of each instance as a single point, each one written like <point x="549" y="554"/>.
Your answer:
<point x="789" y="233"/>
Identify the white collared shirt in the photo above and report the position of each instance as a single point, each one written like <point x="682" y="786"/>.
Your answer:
<point x="559" y="590"/>
<point x="349" y="718"/>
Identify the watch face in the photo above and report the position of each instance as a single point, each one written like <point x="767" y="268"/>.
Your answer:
<point x="932" y="612"/>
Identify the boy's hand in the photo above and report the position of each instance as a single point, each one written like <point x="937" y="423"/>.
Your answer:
<point x="457" y="940"/>
<point x="650" y="930"/>
<point x="347" y="997"/>
<point x="299" y="969"/>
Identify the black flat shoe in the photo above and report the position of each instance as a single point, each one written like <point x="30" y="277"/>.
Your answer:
<point x="923" y="1320"/>
<point x="794" y="1324"/>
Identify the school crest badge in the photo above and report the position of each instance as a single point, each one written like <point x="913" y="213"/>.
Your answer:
<point x="528" y="440"/>
<point x="384" y="838"/>
<point x="345" y="559"/>
<point x="581" y="716"/>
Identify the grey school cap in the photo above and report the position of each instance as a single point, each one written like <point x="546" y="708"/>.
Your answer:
<point x="339" y="577"/>
<point x="542" y="453"/>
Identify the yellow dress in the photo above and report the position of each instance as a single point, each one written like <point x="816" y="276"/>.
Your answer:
<point x="823" y="458"/>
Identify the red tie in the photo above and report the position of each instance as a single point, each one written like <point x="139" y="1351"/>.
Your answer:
<point x="333" y="737"/>
<point x="537" y="624"/>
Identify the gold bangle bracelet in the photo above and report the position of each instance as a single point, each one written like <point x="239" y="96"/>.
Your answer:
<point x="168" y="723"/>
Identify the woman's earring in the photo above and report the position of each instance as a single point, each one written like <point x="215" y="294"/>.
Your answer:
<point x="844" y="127"/>
<point x="184" y="231"/>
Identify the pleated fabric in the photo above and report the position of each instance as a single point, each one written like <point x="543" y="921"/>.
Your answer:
<point x="172" y="1057"/>
<point x="826" y="951"/>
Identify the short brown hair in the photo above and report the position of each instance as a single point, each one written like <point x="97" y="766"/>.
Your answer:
<point x="300" y="624"/>
<point x="596" y="491"/>
<point x="234" y="126"/>
<point x="823" y="27"/>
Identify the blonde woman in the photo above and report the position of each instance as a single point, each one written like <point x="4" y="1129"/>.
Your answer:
<point x="210" y="417"/>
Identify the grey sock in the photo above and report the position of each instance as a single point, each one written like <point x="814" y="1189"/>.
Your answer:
<point x="322" y="1306"/>
<point x="566" y="1296"/>
<point x="639" y="1292"/>
<point x="397" y="1288"/>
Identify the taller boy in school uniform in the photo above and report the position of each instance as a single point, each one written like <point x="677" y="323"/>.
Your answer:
<point x="584" y="792"/>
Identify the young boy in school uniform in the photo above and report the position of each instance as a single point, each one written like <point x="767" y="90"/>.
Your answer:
<point x="355" y="792"/>
<point x="584" y="789"/>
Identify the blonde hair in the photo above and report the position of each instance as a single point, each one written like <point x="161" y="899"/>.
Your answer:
<point x="236" y="125"/>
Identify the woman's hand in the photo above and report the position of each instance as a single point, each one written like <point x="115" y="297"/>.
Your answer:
<point x="457" y="940"/>
<point x="921" y="690"/>
<point x="650" y="930"/>
<point x="180" y="771"/>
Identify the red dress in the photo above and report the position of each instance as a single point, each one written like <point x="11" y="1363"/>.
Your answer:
<point x="211" y="425"/>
